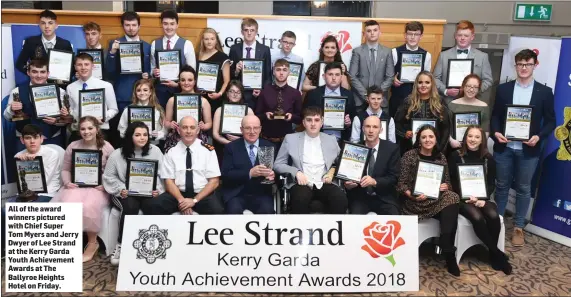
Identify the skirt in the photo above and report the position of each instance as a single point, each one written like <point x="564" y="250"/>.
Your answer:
<point x="429" y="207"/>
<point x="94" y="202"/>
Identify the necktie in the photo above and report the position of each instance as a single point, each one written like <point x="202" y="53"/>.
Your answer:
<point x="373" y="55"/>
<point x="84" y="86"/>
<point x="168" y="44"/>
<point x="189" y="184"/>
<point x="248" y="56"/>
<point x="464" y="51"/>
<point x="370" y="169"/>
<point x="49" y="45"/>
<point x="252" y="155"/>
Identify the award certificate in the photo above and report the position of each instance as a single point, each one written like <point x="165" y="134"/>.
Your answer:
<point x="458" y="69"/>
<point x="32" y="171"/>
<point x="411" y="66"/>
<point x="321" y="73"/>
<point x="92" y="103"/>
<point x="131" y="57"/>
<point x="472" y="181"/>
<point x="334" y="113"/>
<point x="145" y="114"/>
<point x="231" y="118"/>
<point x="294" y="77"/>
<point x="353" y="162"/>
<point x="98" y="65"/>
<point x="428" y="179"/>
<point x="462" y="121"/>
<point x="207" y="76"/>
<point x="168" y="64"/>
<point x="252" y="77"/>
<point x="417" y="123"/>
<point x="60" y="65"/>
<point x="187" y="105"/>
<point x="46" y="100"/>
<point x="518" y="122"/>
<point x="141" y="177"/>
<point x="385" y="134"/>
<point x="86" y="167"/>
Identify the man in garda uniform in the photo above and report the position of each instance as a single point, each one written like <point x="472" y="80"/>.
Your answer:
<point x="374" y="99"/>
<point x="191" y="175"/>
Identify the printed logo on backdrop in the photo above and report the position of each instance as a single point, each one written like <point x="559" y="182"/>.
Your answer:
<point x="382" y="240"/>
<point x="152" y="244"/>
<point x="563" y="135"/>
<point x="342" y="39"/>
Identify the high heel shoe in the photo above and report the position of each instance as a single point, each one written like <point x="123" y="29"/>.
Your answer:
<point x="90" y="251"/>
<point x="499" y="261"/>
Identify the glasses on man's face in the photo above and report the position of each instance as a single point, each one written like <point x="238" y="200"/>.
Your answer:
<point x="288" y="43"/>
<point x="413" y="34"/>
<point x="468" y="87"/>
<point x="250" y="129"/>
<point x="524" y="65"/>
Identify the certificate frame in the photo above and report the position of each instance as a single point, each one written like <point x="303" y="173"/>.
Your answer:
<point x="245" y="106"/>
<point x="67" y="77"/>
<point x="175" y="105"/>
<point x="483" y="177"/>
<point x="414" y="192"/>
<point x="103" y="105"/>
<point x="99" y="154"/>
<point x="136" y="107"/>
<point x="296" y="65"/>
<point x="244" y="61"/>
<point x="385" y="130"/>
<point x="178" y="55"/>
<point x="461" y="61"/>
<point x="510" y="106"/>
<point x="422" y="121"/>
<point x="324" y="105"/>
<point x="38" y="160"/>
<point x="217" y="75"/>
<point x="101" y="56"/>
<point x="140" y="45"/>
<point x="454" y="124"/>
<point x="321" y="80"/>
<point x="345" y="158"/>
<point x="33" y="99"/>
<point x="130" y="161"/>
<point x="422" y="59"/>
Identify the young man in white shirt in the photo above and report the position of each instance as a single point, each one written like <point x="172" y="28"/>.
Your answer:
<point x="374" y="100"/>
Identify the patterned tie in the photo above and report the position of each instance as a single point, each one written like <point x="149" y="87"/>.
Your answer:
<point x="168" y="44"/>
<point x="189" y="183"/>
<point x="252" y="155"/>
<point x="248" y="56"/>
<point x="464" y="51"/>
<point x="84" y="86"/>
<point x="370" y="169"/>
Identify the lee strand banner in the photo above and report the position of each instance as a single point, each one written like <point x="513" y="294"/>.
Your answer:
<point x="268" y="253"/>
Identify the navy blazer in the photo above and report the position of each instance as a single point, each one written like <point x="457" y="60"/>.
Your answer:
<point x="315" y="98"/>
<point x="542" y="118"/>
<point x="262" y="53"/>
<point x="29" y="50"/>
<point x="235" y="172"/>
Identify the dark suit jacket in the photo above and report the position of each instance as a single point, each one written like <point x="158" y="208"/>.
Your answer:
<point x="543" y="111"/>
<point x="235" y="171"/>
<point x="315" y="98"/>
<point x="29" y="50"/>
<point x="262" y="53"/>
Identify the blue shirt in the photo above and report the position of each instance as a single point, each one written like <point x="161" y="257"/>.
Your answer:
<point x="522" y="96"/>
<point x="256" y="145"/>
<point x="336" y="92"/>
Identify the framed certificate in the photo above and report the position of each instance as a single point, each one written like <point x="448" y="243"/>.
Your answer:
<point x="428" y="179"/>
<point x="207" y="76"/>
<point x="168" y="62"/>
<point x="145" y="114"/>
<point x="187" y="105"/>
<point x="131" y="57"/>
<point x="354" y="160"/>
<point x="461" y="122"/>
<point x="231" y="118"/>
<point x="92" y="103"/>
<point x="60" y="64"/>
<point x="86" y="168"/>
<point x="385" y="134"/>
<point x="518" y="122"/>
<point x="411" y="66"/>
<point x="321" y="72"/>
<point x="294" y="77"/>
<point x="46" y="100"/>
<point x="334" y="113"/>
<point x="32" y="172"/>
<point x="417" y="123"/>
<point x="98" y="65"/>
<point x="252" y="74"/>
<point x="472" y="181"/>
<point x="458" y="69"/>
<point x="141" y="177"/>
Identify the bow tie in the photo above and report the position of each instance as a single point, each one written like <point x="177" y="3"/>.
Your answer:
<point x="464" y="51"/>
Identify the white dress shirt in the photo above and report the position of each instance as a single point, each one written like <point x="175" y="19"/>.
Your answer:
<point x="124" y="123"/>
<point x="427" y="59"/>
<point x="356" y="128"/>
<point x="313" y="161"/>
<point x="252" y="51"/>
<point x="52" y="168"/>
<point x="204" y="165"/>
<point x="45" y="41"/>
<point x="92" y="83"/>
<point x="463" y="56"/>
<point x="129" y="39"/>
<point x="189" y="54"/>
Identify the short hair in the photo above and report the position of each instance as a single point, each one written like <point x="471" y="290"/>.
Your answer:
<point x="371" y="23"/>
<point x="32" y="130"/>
<point x="333" y="65"/>
<point x="465" y="24"/>
<point x="289" y="34"/>
<point x="414" y="26"/>
<point x="281" y="62"/>
<point x="91" y="26"/>
<point x="38" y="63"/>
<point x="525" y="55"/>
<point x="374" y="89"/>
<point x="312" y="111"/>
<point x="169" y="14"/>
<point x="48" y="14"/>
<point x="187" y="68"/>
<point x="129" y="16"/>
<point x="248" y="22"/>
<point x="83" y="56"/>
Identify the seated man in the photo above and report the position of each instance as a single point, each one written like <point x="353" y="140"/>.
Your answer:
<point x="376" y="191"/>
<point x="242" y="172"/>
<point x="191" y="174"/>
<point x="312" y="154"/>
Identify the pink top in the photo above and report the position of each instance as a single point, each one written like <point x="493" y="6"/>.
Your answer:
<point x="79" y="144"/>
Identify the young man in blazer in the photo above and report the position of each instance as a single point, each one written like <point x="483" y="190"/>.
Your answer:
<point x="376" y="191"/>
<point x="371" y="64"/>
<point x="242" y="172"/>
<point x="463" y="50"/>
<point x="516" y="159"/>
<point x="250" y="49"/>
<point x="312" y="154"/>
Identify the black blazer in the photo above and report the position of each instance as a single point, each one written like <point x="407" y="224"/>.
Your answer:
<point x="315" y="98"/>
<point x="29" y="50"/>
<point x="262" y="53"/>
<point x="543" y="111"/>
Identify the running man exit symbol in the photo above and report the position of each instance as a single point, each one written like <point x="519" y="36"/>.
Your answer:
<point x="532" y="12"/>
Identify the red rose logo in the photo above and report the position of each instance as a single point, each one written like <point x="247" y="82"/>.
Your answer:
<point x="342" y="40"/>
<point x="382" y="240"/>
<point x="536" y="51"/>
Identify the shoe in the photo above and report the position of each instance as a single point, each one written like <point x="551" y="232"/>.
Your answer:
<point x="518" y="237"/>
<point x="451" y="264"/>
<point x="90" y="251"/>
<point x="499" y="261"/>
<point x="116" y="254"/>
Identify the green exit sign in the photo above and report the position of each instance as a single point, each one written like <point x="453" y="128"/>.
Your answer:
<point x="533" y="12"/>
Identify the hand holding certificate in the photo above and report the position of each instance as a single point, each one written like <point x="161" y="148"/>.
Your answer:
<point x="31" y="175"/>
<point x="141" y="177"/>
<point x="92" y="103"/>
<point x="353" y="162"/>
<point x="131" y="57"/>
<point x="411" y="66"/>
<point x="252" y="75"/>
<point x="145" y="114"/>
<point x="187" y="105"/>
<point x="428" y="179"/>
<point x="60" y="65"/>
<point x="518" y="122"/>
<point x="334" y="113"/>
<point x="86" y="167"/>
<point x="458" y="69"/>
<point x="46" y="100"/>
<point x="472" y="181"/>
<point x="169" y="64"/>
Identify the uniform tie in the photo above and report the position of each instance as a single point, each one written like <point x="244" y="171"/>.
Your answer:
<point x="189" y="184"/>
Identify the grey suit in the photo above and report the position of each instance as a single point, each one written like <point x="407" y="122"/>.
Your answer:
<point x="481" y="67"/>
<point x="364" y="73"/>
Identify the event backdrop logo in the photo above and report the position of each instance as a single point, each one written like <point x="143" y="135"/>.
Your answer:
<point x="382" y="240"/>
<point x="536" y="51"/>
<point x="563" y="134"/>
<point x="342" y="39"/>
<point x="152" y="244"/>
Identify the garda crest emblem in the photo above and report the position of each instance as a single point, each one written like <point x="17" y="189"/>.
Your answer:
<point x="152" y="244"/>
<point x="563" y="134"/>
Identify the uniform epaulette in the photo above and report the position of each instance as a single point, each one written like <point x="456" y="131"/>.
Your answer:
<point x="208" y="146"/>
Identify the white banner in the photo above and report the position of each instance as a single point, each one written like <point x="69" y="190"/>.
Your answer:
<point x="8" y="83"/>
<point x="268" y="253"/>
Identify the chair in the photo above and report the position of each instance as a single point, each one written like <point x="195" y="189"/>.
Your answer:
<point x="428" y="228"/>
<point x="466" y="237"/>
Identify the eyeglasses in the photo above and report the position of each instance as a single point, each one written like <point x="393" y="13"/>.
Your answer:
<point x="524" y="65"/>
<point x="413" y="34"/>
<point x="471" y="87"/>
<point x="250" y="129"/>
<point x="288" y="43"/>
<point x="232" y="92"/>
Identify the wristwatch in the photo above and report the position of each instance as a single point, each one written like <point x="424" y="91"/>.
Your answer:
<point x="194" y="200"/>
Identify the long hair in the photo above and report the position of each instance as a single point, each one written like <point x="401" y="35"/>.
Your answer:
<point x="202" y="46"/>
<point x="483" y="146"/>
<point x="414" y="98"/>
<point x="128" y="150"/>
<point x="187" y="68"/>
<point x="465" y="81"/>
<point x="153" y="100"/>
<point x="99" y="139"/>
<point x="436" y="136"/>
<point x="237" y="84"/>
<point x="328" y="39"/>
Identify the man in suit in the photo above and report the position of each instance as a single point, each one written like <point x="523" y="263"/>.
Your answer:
<point x="517" y="160"/>
<point x="242" y="172"/>
<point x="463" y="50"/>
<point x="332" y="88"/>
<point x="376" y="191"/>
<point x="371" y="64"/>
<point x="250" y="49"/>
<point x="312" y="156"/>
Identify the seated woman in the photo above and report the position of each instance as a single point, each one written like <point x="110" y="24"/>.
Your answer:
<point x="482" y="214"/>
<point x="94" y="200"/>
<point x="329" y="52"/>
<point x="445" y="208"/>
<point x="135" y="145"/>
